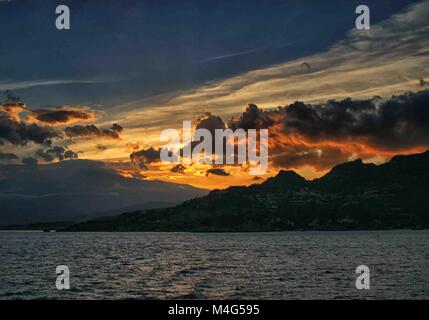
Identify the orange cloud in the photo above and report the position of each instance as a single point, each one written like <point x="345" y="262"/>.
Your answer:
<point x="63" y="115"/>
<point x="91" y="131"/>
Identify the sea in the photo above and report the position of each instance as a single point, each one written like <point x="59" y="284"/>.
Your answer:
<point x="273" y="266"/>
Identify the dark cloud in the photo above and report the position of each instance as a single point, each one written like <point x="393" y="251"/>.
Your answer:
<point x="55" y="153"/>
<point x="45" y="156"/>
<point x="252" y="118"/>
<point x="20" y="133"/>
<point x="322" y="135"/>
<point x="217" y="172"/>
<point x="20" y="125"/>
<point x="146" y="156"/>
<point x="210" y="122"/>
<point x="91" y="131"/>
<point x="392" y="124"/>
<point x="116" y="127"/>
<point x="62" y="115"/>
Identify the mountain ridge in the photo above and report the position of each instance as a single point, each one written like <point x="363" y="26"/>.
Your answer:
<point x="352" y="196"/>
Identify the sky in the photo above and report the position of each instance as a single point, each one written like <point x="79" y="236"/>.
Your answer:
<point x="126" y="70"/>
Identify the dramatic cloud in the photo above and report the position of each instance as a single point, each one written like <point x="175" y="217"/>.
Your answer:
<point x="252" y="118"/>
<point x="60" y="115"/>
<point x="20" y="133"/>
<point x="20" y="126"/>
<point x="146" y="156"/>
<point x="388" y="59"/>
<point x="54" y="154"/>
<point x="398" y="123"/>
<point x="322" y="135"/>
<point x="45" y="156"/>
<point x="116" y="127"/>
<point x="217" y="172"/>
<point x="63" y="115"/>
<point x="91" y="131"/>
<point x="210" y="122"/>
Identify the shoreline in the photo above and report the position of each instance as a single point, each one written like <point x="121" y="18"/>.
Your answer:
<point x="218" y="232"/>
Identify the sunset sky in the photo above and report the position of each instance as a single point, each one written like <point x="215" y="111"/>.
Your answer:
<point x="126" y="70"/>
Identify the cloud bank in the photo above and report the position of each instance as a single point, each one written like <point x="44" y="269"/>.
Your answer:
<point x="63" y="115"/>
<point x="18" y="132"/>
<point x="322" y="135"/>
<point x="80" y="131"/>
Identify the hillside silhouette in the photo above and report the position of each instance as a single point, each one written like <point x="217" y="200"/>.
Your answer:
<point x="352" y="196"/>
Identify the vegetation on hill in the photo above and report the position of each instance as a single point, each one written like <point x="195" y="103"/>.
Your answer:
<point x="352" y="196"/>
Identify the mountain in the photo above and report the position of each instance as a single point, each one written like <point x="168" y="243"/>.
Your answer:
<point x="77" y="190"/>
<point x="351" y="196"/>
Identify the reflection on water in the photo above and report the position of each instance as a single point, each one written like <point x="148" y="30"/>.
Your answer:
<point x="290" y="265"/>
